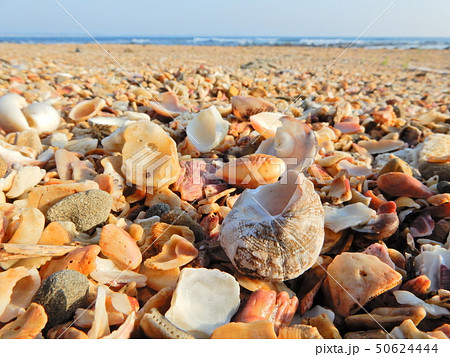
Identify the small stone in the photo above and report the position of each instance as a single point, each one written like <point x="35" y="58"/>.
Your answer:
<point x="85" y="209"/>
<point x="443" y="187"/>
<point x="43" y="197"/>
<point x="410" y="135"/>
<point x="157" y="210"/>
<point x="181" y="218"/>
<point x="61" y="294"/>
<point x="429" y="169"/>
<point x="3" y="167"/>
<point x="396" y="165"/>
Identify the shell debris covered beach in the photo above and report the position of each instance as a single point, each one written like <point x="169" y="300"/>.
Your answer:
<point x="223" y="193"/>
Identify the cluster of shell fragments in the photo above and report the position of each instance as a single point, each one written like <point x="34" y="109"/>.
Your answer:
<point x="190" y="204"/>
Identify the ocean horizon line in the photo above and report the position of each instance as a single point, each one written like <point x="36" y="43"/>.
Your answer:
<point x="380" y="42"/>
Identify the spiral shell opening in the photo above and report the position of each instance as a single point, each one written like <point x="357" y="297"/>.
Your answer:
<point x="276" y="231"/>
<point x="276" y="198"/>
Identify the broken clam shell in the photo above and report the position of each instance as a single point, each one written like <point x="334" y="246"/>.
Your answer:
<point x="207" y="129"/>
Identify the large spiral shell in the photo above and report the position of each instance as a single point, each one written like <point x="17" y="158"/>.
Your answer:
<point x="276" y="231"/>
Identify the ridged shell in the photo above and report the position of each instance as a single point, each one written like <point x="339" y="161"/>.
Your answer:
<point x="276" y="231"/>
<point x="156" y="325"/>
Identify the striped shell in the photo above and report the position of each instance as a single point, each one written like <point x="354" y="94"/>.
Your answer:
<point x="276" y="231"/>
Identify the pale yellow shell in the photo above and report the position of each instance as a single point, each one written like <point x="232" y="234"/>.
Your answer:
<point x="276" y="231"/>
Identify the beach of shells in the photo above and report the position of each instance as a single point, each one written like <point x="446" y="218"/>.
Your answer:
<point x="214" y="192"/>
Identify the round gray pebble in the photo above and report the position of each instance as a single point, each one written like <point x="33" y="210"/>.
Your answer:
<point x="61" y="294"/>
<point x="181" y="218"/>
<point x="85" y="209"/>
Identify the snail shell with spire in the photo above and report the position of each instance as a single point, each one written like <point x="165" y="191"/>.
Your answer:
<point x="276" y="231"/>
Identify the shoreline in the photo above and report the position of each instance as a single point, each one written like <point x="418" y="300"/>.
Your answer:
<point x="232" y="56"/>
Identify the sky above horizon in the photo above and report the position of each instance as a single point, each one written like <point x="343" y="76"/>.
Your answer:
<point x="406" y="18"/>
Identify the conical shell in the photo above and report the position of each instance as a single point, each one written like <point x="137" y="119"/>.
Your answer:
<point x="207" y="129"/>
<point x="276" y="231"/>
<point x="86" y="109"/>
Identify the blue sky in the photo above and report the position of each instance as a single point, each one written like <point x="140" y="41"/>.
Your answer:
<point x="410" y="18"/>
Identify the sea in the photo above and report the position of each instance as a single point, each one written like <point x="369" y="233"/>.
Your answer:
<point x="440" y="43"/>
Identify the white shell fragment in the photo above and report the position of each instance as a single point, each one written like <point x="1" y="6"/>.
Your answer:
<point x="203" y="300"/>
<point x="429" y="263"/>
<point x="207" y="129"/>
<point x="42" y="117"/>
<point x="106" y="272"/>
<point x="11" y="116"/>
<point x="17" y="115"/>
<point x="408" y="298"/>
<point x="25" y="180"/>
<point x="338" y="219"/>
